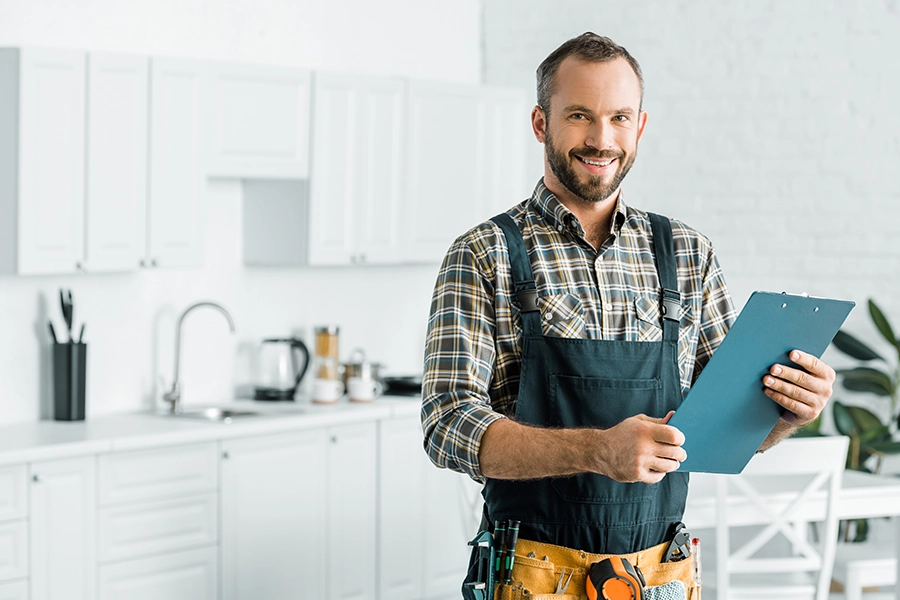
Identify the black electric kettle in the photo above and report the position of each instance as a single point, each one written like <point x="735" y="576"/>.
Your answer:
<point x="278" y="370"/>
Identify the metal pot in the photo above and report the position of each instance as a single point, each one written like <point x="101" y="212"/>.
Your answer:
<point x="359" y="366"/>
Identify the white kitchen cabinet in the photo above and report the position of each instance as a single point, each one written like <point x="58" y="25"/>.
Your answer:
<point x="13" y="549"/>
<point x="508" y="148"/>
<point x="445" y="169"/>
<point x="63" y="514"/>
<point x="351" y="512"/>
<point x="189" y="575"/>
<point x="176" y="204"/>
<point x="426" y="518"/>
<point x="116" y="176"/>
<point x="401" y="513"/>
<point x="42" y="160"/>
<point x="273" y="516"/>
<point x="356" y="184"/>
<point x="298" y="515"/>
<point x="260" y="122"/>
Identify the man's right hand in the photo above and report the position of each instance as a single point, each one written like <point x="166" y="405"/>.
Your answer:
<point x="640" y="448"/>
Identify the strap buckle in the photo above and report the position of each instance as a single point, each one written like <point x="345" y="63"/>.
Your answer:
<point x="670" y="305"/>
<point x="527" y="296"/>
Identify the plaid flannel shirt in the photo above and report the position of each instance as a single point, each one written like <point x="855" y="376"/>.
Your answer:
<point x="474" y="339"/>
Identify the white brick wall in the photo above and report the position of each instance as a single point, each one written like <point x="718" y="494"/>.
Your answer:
<point x="774" y="128"/>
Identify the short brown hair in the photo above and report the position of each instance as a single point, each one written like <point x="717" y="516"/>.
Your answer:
<point x="589" y="47"/>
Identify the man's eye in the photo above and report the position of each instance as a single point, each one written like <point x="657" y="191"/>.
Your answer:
<point x="577" y="116"/>
<point x="620" y="118"/>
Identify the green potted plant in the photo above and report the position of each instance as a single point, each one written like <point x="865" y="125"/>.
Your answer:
<point x="877" y="375"/>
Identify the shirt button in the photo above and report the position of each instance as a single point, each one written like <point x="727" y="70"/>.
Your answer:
<point x="560" y="228"/>
<point x="548" y="316"/>
<point x="608" y="307"/>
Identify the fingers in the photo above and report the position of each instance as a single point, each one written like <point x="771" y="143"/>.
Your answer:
<point x="643" y="449"/>
<point x="802" y="392"/>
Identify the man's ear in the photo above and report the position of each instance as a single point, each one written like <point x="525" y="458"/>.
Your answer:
<point x="539" y="123"/>
<point x="642" y="122"/>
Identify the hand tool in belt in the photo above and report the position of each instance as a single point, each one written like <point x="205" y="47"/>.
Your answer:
<point x="680" y="546"/>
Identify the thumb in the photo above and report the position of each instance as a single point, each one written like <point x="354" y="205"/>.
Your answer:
<point x="662" y="420"/>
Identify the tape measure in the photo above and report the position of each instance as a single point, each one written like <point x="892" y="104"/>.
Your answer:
<point x="614" y="578"/>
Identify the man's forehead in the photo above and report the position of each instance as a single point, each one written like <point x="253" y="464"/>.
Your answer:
<point x="584" y="82"/>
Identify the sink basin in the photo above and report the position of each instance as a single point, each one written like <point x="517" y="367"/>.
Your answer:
<point x="213" y="413"/>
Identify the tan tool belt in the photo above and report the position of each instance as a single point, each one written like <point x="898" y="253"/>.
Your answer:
<point x="534" y="578"/>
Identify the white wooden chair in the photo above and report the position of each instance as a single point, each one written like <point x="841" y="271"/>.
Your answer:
<point x="782" y="484"/>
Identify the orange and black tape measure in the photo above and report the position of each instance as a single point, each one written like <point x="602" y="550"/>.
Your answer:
<point x="614" y="578"/>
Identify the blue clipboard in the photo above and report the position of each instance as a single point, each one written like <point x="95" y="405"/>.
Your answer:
<point x="726" y="415"/>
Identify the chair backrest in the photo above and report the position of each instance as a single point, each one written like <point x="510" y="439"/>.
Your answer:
<point x="782" y="490"/>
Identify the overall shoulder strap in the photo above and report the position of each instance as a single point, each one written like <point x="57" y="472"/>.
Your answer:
<point x="664" y="251"/>
<point x="523" y="276"/>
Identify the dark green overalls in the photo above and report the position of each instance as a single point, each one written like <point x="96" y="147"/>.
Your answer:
<point x="593" y="383"/>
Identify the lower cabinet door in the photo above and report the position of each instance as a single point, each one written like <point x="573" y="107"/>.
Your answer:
<point x="14" y="590"/>
<point x="191" y="575"/>
<point x="63" y="537"/>
<point x="274" y="491"/>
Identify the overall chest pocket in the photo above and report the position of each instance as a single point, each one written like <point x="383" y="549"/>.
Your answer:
<point x="562" y="316"/>
<point x="649" y="323"/>
<point x="601" y="402"/>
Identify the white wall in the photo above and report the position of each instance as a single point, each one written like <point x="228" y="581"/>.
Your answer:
<point x="131" y="317"/>
<point x="774" y="128"/>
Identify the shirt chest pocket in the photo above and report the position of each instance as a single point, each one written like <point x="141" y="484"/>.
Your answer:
<point x="649" y="324"/>
<point x="562" y="315"/>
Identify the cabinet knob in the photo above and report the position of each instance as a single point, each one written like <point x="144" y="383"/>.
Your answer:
<point x="334" y="439"/>
<point x="143" y="263"/>
<point x="152" y="262"/>
<point x="36" y="478"/>
<point x="80" y="267"/>
<point x="225" y="455"/>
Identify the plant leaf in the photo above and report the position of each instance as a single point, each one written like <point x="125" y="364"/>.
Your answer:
<point x="888" y="447"/>
<point x="864" y="419"/>
<point x="843" y="421"/>
<point x="848" y="344"/>
<point x="881" y="322"/>
<point x="875" y="435"/>
<point x="866" y="379"/>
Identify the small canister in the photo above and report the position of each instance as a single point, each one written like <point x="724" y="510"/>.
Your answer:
<point x="328" y="386"/>
<point x="362" y="378"/>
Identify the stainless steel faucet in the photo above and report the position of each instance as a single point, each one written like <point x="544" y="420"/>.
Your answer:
<point x="173" y="396"/>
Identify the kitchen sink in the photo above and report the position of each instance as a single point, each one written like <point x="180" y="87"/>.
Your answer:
<point x="224" y="415"/>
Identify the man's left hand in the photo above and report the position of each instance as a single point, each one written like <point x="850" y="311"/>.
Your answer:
<point x="802" y="392"/>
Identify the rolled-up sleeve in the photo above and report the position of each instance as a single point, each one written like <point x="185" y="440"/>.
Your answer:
<point x="460" y="354"/>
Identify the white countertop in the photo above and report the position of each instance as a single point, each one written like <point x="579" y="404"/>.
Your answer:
<point x="49" y="440"/>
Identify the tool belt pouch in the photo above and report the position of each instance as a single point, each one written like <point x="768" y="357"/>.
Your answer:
<point x="536" y="579"/>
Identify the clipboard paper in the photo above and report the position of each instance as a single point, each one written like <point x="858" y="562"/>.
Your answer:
<point x="726" y="415"/>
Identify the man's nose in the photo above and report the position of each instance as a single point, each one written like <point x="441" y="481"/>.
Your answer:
<point x="599" y="136"/>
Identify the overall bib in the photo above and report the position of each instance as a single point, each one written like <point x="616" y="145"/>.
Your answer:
<point x="593" y="383"/>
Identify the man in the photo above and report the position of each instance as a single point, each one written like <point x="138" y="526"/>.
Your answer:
<point x="551" y="366"/>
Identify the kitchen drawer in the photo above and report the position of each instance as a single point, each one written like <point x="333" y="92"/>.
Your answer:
<point x="142" y="529"/>
<point x="14" y="590"/>
<point x="13" y="550"/>
<point x="156" y="474"/>
<point x="12" y="493"/>
<point x="191" y="575"/>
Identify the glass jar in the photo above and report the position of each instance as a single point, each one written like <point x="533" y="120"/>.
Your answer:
<point x="328" y="385"/>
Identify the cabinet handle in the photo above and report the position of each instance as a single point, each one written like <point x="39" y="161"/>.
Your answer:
<point x="143" y="263"/>
<point x="36" y="478"/>
<point x="334" y="439"/>
<point x="225" y="455"/>
<point x="79" y="266"/>
<point x="153" y="262"/>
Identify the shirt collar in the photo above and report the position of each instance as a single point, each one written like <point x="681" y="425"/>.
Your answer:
<point x="559" y="217"/>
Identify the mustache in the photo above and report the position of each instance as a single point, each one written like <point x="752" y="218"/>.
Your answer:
<point x="597" y="154"/>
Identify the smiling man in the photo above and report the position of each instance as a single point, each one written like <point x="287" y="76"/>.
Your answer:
<point x="565" y="331"/>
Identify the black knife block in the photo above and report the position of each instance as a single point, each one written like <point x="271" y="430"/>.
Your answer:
<point x="69" y="362"/>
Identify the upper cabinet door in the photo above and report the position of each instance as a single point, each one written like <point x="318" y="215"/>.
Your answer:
<point x="508" y="143"/>
<point x="444" y="177"/>
<point x="381" y="185"/>
<point x="116" y="162"/>
<point x="177" y="182"/>
<point x="44" y="90"/>
<point x="260" y="125"/>
<point x="336" y="162"/>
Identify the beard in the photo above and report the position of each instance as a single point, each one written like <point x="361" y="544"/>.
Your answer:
<point x="594" y="190"/>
